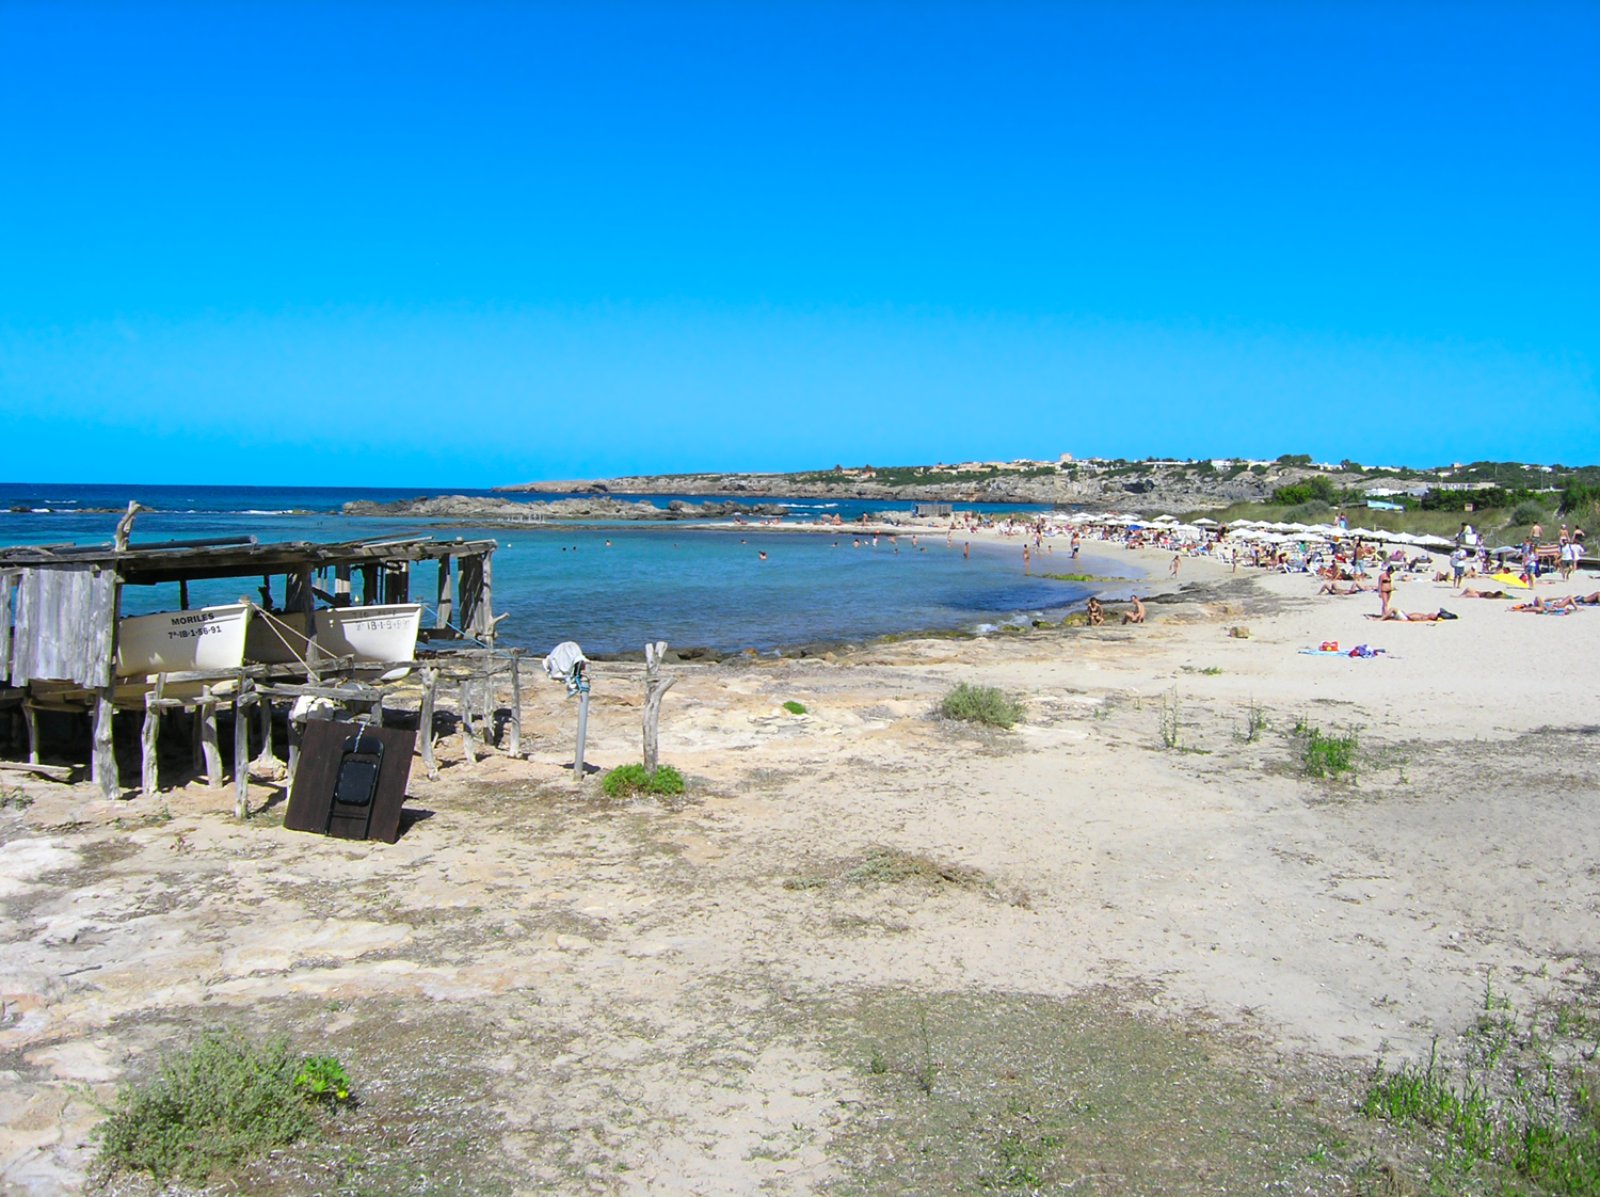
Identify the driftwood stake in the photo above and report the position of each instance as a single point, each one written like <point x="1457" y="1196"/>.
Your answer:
<point x="469" y="737"/>
<point x="149" y="755"/>
<point x="30" y="716"/>
<point x="241" y="747"/>
<point x="655" y="690"/>
<point x="430" y="683"/>
<point x="105" y="753"/>
<point x="516" y="703"/>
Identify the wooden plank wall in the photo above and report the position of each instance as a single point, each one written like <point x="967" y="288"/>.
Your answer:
<point x="61" y="626"/>
<point x="5" y="626"/>
<point x="472" y="586"/>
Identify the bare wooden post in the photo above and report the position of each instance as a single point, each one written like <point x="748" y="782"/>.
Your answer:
<point x="149" y="738"/>
<point x="105" y="754"/>
<point x="516" y="703"/>
<point x="430" y="683"/>
<point x="206" y="713"/>
<point x="30" y="716"/>
<point x="654" y="691"/>
<point x="304" y="600"/>
<point x="104" y="758"/>
<point x="266" y="762"/>
<point x="469" y="739"/>
<point x="242" y="703"/>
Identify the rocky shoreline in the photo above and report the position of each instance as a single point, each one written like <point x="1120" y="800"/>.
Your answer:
<point x="496" y="512"/>
<point x="1130" y="487"/>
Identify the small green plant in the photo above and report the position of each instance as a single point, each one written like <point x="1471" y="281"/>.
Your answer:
<point x="209" y="1109"/>
<point x="1170" y="725"/>
<point x="323" y="1078"/>
<point x="1212" y="671"/>
<point x="14" y="799"/>
<point x="626" y="780"/>
<point x="795" y="708"/>
<point x="981" y="704"/>
<point x="1255" y="722"/>
<point x="1322" y="755"/>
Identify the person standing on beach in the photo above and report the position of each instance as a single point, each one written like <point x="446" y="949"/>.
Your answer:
<point x="1385" y="592"/>
<point x="1458" y="566"/>
<point x="1027" y="560"/>
<point x="1176" y="561"/>
<point x="966" y="551"/>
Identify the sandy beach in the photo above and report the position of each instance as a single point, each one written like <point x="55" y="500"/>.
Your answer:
<point x="540" y="990"/>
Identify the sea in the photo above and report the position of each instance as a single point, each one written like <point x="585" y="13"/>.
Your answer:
<point x="612" y="587"/>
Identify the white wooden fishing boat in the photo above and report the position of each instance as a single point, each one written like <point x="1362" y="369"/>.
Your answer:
<point x="372" y="635"/>
<point x="204" y="638"/>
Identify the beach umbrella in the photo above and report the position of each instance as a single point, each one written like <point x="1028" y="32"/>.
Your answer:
<point x="1203" y="522"/>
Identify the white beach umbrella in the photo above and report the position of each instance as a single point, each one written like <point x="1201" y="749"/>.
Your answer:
<point x="1203" y="522"/>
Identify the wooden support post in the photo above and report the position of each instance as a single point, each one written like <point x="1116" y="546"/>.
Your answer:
<point x="486" y="620"/>
<point x="243" y="701"/>
<point x="430" y="683"/>
<point x="445" y="607"/>
<point x="341" y="586"/>
<point x="104" y="768"/>
<point x="30" y="716"/>
<point x="149" y="754"/>
<point x="369" y="586"/>
<point x="654" y="691"/>
<point x="516" y="703"/>
<point x="469" y="738"/>
<point x="306" y="604"/>
<point x="183" y="594"/>
<point x="266" y="763"/>
<point x="206" y="713"/>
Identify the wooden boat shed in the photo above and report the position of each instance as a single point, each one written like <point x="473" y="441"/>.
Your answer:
<point x="59" y="607"/>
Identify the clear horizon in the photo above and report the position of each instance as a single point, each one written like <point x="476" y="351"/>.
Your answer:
<point x="487" y="244"/>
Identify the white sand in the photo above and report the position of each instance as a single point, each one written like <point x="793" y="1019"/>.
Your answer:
<point x="1330" y="918"/>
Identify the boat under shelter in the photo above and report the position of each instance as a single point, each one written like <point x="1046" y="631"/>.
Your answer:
<point x="334" y="621"/>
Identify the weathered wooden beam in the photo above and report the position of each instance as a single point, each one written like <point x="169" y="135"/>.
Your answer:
<point x="53" y="772"/>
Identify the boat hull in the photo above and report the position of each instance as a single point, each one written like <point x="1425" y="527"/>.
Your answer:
<point x="372" y="635"/>
<point x="206" y="638"/>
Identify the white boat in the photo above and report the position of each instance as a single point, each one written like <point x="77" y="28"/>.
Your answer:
<point x="205" y="638"/>
<point x="372" y="635"/>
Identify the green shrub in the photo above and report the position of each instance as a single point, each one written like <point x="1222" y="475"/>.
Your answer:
<point x="626" y="780"/>
<point x="1322" y="755"/>
<point x="215" y="1106"/>
<point x="981" y="704"/>
<point x="1528" y="513"/>
<point x="795" y="708"/>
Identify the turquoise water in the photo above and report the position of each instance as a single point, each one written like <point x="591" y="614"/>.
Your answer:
<point x="691" y="586"/>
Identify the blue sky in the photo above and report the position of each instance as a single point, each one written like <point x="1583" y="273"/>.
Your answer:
<point x="479" y="243"/>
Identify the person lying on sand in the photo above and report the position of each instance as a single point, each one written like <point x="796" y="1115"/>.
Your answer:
<point x="1540" y="606"/>
<point x="1353" y="588"/>
<point x="1394" y="613"/>
<point x="1469" y="592"/>
<point x="1097" y="612"/>
<point x="1137" y="614"/>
